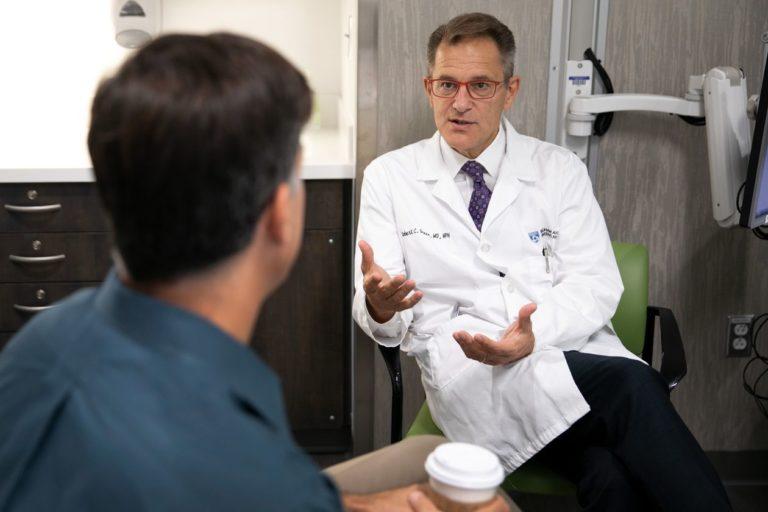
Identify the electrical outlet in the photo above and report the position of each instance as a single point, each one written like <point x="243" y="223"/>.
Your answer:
<point x="739" y="335"/>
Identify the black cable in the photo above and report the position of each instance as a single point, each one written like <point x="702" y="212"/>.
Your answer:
<point x="602" y="121"/>
<point x="760" y="232"/>
<point x="695" y="121"/>
<point x="763" y="319"/>
<point x="739" y="199"/>
<point x="752" y="388"/>
<point x="757" y="380"/>
<point x="764" y="316"/>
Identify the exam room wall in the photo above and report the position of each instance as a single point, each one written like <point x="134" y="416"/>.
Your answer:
<point x="653" y="185"/>
<point x="398" y="114"/>
<point x="652" y="179"/>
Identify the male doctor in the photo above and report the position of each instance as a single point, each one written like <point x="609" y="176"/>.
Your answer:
<point x="484" y="254"/>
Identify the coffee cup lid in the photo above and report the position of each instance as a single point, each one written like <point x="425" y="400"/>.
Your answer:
<point x="465" y="465"/>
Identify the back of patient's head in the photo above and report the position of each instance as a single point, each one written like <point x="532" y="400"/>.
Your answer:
<point x="189" y="140"/>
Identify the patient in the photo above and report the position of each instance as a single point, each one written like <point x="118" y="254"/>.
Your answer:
<point x="142" y="394"/>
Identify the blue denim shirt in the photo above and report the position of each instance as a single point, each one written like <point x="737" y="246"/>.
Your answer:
<point x="116" y="401"/>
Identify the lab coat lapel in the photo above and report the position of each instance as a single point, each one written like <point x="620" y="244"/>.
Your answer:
<point x="516" y="167"/>
<point x="432" y="170"/>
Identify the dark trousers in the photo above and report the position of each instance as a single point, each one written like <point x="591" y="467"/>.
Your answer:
<point x="631" y="451"/>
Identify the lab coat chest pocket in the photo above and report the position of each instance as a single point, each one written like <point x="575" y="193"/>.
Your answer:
<point x="540" y="272"/>
<point x="532" y="260"/>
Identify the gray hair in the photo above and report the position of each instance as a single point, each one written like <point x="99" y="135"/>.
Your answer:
<point x="472" y="25"/>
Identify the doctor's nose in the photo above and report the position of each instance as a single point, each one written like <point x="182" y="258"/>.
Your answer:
<point x="462" y="101"/>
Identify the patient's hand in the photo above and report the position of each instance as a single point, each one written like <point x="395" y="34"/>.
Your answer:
<point x="395" y="500"/>
<point x="420" y="503"/>
<point x="413" y="498"/>
<point x="516" y="342"/>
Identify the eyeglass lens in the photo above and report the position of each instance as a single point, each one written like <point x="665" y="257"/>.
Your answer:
<point x="477" y="89"/>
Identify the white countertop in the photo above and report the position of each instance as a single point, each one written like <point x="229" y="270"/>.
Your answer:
<point x="327" y="156"/>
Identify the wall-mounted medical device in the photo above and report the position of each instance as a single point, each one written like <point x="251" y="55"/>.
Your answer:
<point x="719" y="96"/>
<point x="136" y="21"/>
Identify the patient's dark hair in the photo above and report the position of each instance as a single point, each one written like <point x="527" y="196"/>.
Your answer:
<point x="472" y="25"/>
<point x="189" y="140"/>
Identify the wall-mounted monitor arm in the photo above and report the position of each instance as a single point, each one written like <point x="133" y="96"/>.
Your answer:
<point x="720" y="96"/>
<point x="583" y="109"/>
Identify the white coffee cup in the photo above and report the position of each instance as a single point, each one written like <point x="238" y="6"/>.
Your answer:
<point x="464" y="473"/>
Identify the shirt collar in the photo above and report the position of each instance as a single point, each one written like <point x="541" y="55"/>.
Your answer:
<point x="490" y="158"/>
<point x="179" y="333"/>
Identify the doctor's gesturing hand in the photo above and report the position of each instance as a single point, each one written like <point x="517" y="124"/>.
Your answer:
<point x="516" y="342"/>
<point x="385" y="295"/>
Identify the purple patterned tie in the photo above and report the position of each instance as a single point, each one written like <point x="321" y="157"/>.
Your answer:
<point x="481" y="195"/>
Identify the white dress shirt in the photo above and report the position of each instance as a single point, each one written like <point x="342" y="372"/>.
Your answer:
<point x="490" y="158"/>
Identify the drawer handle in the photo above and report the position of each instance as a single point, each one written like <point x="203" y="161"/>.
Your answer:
<point x="30" y="309"/>
<point x="46" y="208"/>
<point x="37" y="259"/>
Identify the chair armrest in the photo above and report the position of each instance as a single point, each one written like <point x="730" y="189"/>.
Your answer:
<point x="673" y="366"/>
<point x="392" y="359"/>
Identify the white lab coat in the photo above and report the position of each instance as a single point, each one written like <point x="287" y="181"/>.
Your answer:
<point x="412" y="214"/>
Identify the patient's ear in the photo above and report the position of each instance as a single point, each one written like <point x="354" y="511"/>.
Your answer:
<point x="278" y="215"/>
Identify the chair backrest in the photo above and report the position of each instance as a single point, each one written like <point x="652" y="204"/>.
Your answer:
<point x="630" y="318"/>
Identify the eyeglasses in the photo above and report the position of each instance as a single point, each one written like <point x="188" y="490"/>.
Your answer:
<point x="477" y="89"/>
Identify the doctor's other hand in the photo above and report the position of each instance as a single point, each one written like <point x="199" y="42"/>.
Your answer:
<point x="516" y="342"/>
<point x="385" y="295"/>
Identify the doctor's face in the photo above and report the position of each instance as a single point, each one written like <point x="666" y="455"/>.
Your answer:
<point x="469" y="124"/>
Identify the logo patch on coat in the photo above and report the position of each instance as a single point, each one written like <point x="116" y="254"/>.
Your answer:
<point x="535" y="236"/>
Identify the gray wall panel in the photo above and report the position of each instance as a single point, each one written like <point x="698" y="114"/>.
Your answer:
<point x="404" y="116"/>
<point x="653" y="185"/>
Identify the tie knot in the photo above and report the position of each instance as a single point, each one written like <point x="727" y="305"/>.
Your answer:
<point x="474" y="169"/>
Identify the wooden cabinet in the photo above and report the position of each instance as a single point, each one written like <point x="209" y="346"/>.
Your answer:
<point x="304" y="330"/>
<point x="54" y="239"/>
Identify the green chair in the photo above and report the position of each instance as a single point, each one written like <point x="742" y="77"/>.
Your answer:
<point x="634" y="323"/>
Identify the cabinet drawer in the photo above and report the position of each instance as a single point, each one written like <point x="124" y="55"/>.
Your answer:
<point x="51" y="207"/>
<point x="21" y="301"/>
<point x="30" y="257"/>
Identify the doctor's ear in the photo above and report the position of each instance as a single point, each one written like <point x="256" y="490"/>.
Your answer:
<point x="425" y="83"/>
<point x="511" y="90"/>
<point x="427" y="91"/>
